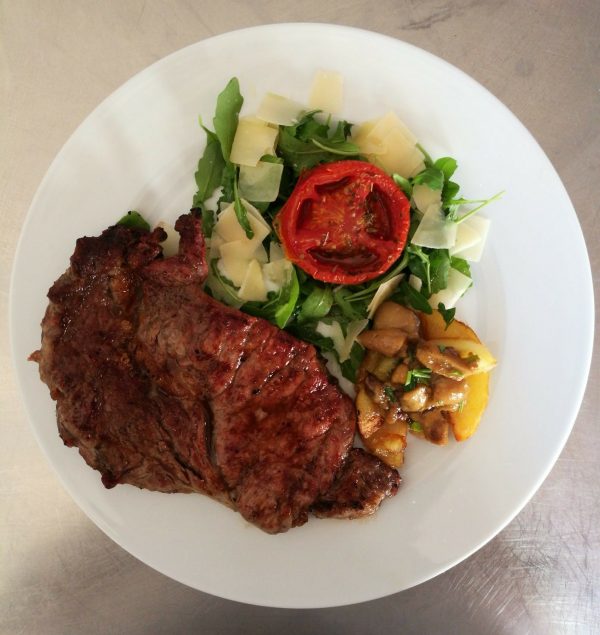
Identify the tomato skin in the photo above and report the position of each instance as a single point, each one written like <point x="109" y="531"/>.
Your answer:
<point x="345" y="222"/>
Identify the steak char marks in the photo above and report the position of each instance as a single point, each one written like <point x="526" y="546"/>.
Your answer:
<point x="162" y="387"/>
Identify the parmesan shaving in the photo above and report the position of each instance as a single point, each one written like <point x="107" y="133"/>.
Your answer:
<point x="473" y="252"/>
<point x="234" y="269"/>
<point x="353" y="330"/>
<point x="415" y="282"/>
<point x="334" y="332"/>
<point x="260" y="183"/>
<point x="327" y="92"/>
<point x="229" y="228"/>
<point x="384" y="291"/>
<point x="435" y="230"/>
<point x="458" y="283"/>
<point x="279" y="110"/>
<point x="253" y="139"/>
<point x="253" y="287"/>
<point x="423" y="196"/>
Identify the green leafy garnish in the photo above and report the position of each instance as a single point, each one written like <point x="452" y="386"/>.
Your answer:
<point x="209" y="173"/>
<point x="350" y="366"/>
<point x="404" y="184"/>
<point x="280" y="306"/>
<point x="447" y="314"/>
<point x="415" y="426"/>
<point x="317" y="304"/>
<point x="240" y="211"/>
<point x="416" y="376"/>
<point x="390" y="394"/>
<point x="455" y="203"/>
<point x="225" y="121"/>
<point x="432" y="177"/>
<point x="447" y="165"/>
<point x="310" y="142"/>
<point x="134" y="220"/>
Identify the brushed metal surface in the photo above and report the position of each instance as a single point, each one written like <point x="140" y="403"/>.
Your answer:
<point x="58" y="573"/>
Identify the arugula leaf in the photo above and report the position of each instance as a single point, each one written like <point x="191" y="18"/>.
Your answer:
<point x="351" y="365"/>
<point x="208" y="221"/>
<point x="343" y="148"/>
<point x="390" y="394"/>
<point x="432" y="177"/>
<point x="447" y="314"/>
<point x="463" y="201"/>
<point x="271" y="158"/>
<point x="309" y="127"/>
<point x="447" y="165"/>
<point x="460" y="264"/>
<point x="449" y="192"/>
<point x="407" y="295"/>
<point x="228" y="179"/>
<point x="280" y="306"/>
<point x="419" y="265"/>
<point x="225" y="121"/>
<point x="404" y="184"/>
<point x="287" y="304"/>
<point x="427" y="160"/>
<point x="134" y="220"/>
<point x="347" y="307"/>
<point x="307" y="332"/>
<point x="317" y="304"/>
<point x="309" y="142"/>
<point x="300" y="155"/>
<point x="240" y="211"/>
<point x="209" y="173"/>
<point x="439" y="264"/>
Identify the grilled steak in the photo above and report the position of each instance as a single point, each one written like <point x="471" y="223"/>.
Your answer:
<point x="162" y="387"/>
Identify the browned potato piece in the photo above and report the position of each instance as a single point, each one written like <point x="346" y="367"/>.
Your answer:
<point x="389" y="442"/>
<point x="393" y="315"/>
<point x="400" y="374"/>
<point x="434" y="327"/>
<point x="388" y="342"/>
<point x="370" y="415"/>
<point x="465" y="420"/>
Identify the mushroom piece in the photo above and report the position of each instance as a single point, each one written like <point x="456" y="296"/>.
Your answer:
<point x="417" y="399"/>
<point x="448" y="393"/>
<point x="389" y="341"/>
<point x="393" y="315"/>
<point x="434" y="423"/>
<point x="376" y="389"/>
<point x="443" y="360"/>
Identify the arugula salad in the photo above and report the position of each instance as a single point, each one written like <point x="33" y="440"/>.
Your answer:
<point x="252" y="167"/>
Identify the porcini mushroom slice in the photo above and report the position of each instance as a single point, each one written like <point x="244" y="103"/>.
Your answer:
<point x="393" y="315"/>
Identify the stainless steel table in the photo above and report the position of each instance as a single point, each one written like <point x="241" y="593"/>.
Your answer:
<point x="58" y="572"/>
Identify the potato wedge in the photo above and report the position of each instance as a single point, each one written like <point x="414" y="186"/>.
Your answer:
<point x="434" y="327"/>
<point x="464" y="421"/>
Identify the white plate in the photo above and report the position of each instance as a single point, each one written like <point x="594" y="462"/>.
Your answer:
<point x="532" y="304"/>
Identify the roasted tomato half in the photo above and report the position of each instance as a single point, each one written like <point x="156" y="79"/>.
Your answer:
<point x="345" y="222"/>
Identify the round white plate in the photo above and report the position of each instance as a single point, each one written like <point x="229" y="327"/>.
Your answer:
<point x="532" y="304"/>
